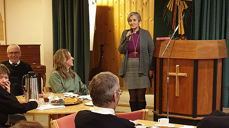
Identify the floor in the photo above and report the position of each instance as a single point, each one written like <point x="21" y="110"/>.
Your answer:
<point x="122" y="107"/>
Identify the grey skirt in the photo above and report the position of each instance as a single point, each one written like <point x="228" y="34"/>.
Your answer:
<point x="132" y="79"/>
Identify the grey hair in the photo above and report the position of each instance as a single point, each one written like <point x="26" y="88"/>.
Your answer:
<point x="13" y="46"/>
<point x="102" y="87"/>
<point x="134" y="14"/>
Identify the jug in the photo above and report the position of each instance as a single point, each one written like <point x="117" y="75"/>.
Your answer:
<point x="31" y="86"/>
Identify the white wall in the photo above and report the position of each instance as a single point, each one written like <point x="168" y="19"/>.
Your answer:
<point x="30" y="22"/>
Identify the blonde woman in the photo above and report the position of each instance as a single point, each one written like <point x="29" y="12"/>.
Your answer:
<point x="63" y="78"/>
<point x="137" y="46"/>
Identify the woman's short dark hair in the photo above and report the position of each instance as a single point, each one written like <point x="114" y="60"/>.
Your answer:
<point x="4" y="69"/>
<point x="102" y="87"/>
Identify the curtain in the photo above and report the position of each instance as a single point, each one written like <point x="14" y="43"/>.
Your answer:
<point x="211" y="22"/>
<point x="71" y="31"/>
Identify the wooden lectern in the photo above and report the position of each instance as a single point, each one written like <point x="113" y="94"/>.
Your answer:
<point x="195" y="72"/>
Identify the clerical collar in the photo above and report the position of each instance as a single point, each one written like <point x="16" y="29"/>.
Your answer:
<point x="16" y="63"/>
<point x="101" y="110"/>
<point x="137" y="32"/>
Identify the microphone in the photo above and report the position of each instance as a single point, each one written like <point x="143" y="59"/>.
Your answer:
<point x="166" y="47"/>
<point x="131" y="32"/>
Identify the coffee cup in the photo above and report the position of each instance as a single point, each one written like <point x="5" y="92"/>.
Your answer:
<point x="46" y="97"/>
<point x="163" y="122"/>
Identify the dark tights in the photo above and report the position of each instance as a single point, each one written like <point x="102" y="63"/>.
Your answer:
<point x="137" y="95"/>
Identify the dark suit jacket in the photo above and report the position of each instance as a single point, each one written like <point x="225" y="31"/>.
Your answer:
<point x="88" y="119"/>
<point x="10" y="105"/>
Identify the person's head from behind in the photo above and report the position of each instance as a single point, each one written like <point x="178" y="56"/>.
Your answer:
<point x="27" y="124"/>
<point x="134" y="19"/>
<point x="4" y="75"/>
<point x="104" y="90"/>
<point x="14" y="53"/>
<point x="63" y="61"/>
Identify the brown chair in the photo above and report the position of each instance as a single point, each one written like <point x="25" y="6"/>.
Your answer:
<point x="135" y="115"/>
<point x="64" y="122"/>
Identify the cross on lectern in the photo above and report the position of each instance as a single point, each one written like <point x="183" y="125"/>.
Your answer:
<point x="177" y="74"/>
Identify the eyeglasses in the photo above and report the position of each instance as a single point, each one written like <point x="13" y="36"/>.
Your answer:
<point x="119" y="92"/>
<point x="11" y="53"/>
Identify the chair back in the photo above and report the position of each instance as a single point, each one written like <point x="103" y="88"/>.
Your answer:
<point x="135" y="115"/>
<point x="64" y="122"/>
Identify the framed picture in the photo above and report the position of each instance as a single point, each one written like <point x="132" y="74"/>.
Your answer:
<point x="2" y="23"/>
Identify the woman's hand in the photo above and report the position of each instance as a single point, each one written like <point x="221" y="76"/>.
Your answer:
<point x="129" y="33"/>
<point x="150" y="74"/>
<point x="5" y="85"/>
<point x="8" y="86"/>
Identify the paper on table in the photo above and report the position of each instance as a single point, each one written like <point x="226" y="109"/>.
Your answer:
<point x="138" y="125"/>
<point x="49" y="106"/>
<point x="89" y="103"/>
<point x="187" y="126"/>
<point x="85" y="97"/>
<point x="169" y="125"/>
<point x="70" y="94"/>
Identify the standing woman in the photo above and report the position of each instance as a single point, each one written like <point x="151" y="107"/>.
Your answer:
<point x="63" y="78"/>
<point x="137" y="46"/>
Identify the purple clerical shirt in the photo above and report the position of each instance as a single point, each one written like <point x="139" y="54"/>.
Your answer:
<point x="134" y="43"/>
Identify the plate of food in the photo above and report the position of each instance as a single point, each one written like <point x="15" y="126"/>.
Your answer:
<point x="57" y="102"/>
<point x="72" y="101"/>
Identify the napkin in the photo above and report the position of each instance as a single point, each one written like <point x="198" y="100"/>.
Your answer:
<point x="187" y="126"/>
<point x="158" y="125"/>
<point x="70" y="94"/>
<point x="85" y="97"/>
<point x="49" y="106"/>
<point x="89" y="103"/>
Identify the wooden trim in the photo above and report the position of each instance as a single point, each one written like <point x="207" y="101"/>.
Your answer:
<point x="160" y="85"/>
<point x="214" y="85"/>
<point x="145" y="114"/>
<point x="54" y="124"/>
<point x="155" y="86"/>
<point x="193" y="49"/>
<point x="222" y="85"/>
<point x="195" y="86"/>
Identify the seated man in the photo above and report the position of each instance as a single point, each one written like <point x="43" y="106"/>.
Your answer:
<point x="9" y="103"/>
<point x="105" y="92"/>
<point x="17" y="69"/>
